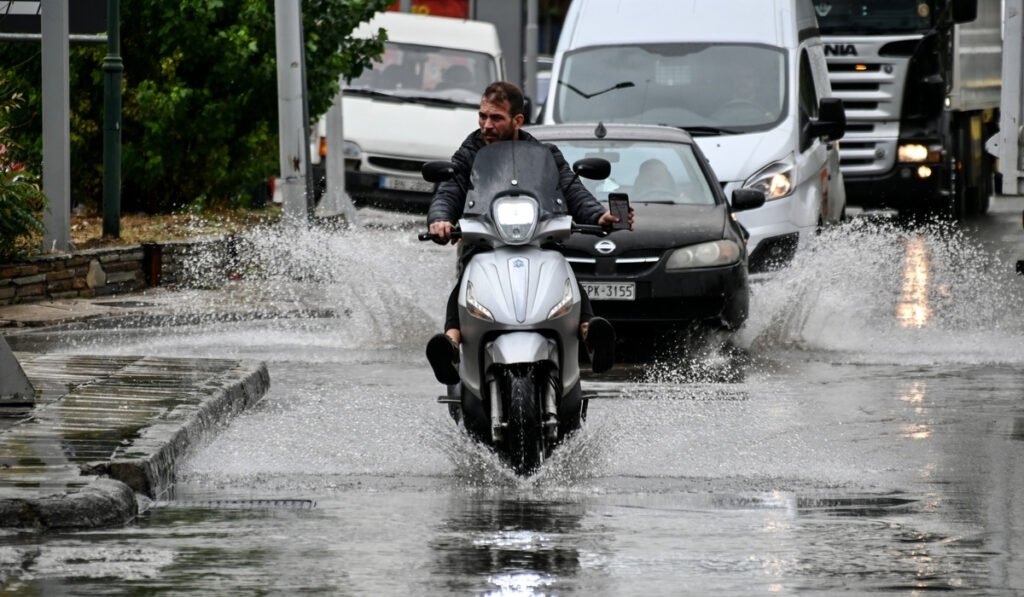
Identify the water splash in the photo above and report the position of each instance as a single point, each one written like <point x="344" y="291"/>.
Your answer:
<point x="878" y="292"/>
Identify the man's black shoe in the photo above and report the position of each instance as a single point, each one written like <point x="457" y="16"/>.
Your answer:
<point x="600" y="341"/>
<point x="443" y="356"/>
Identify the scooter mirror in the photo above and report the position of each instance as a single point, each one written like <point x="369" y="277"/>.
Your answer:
<point x="592" y="168"/>
<point x="439" y="171"/>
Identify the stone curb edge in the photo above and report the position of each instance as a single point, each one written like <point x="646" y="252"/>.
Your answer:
<point x="110" y="499"/>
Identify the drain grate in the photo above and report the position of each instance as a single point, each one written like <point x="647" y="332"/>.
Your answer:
<point x="272" y="504"/>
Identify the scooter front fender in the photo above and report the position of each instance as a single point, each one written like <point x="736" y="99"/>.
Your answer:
<point x="521" y="347"/>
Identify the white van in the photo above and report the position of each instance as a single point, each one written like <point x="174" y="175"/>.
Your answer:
<point x="746" y="78"/>
<point x="415" y="105"/>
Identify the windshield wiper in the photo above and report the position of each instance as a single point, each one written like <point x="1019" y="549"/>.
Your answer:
<point x="375" y="94"/>
<point x="699" y="131"/>
<point x="438" y="101"/>
<point x="622" y="85"/>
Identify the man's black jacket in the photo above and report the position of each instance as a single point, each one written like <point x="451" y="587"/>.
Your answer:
<point x="449" y="200"/>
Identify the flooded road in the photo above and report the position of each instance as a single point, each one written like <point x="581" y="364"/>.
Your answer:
<point x="863" y="432"/>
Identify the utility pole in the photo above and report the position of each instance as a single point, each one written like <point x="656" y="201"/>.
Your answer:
<point x="56" y="125"/>
<point x="112" y="69"/>
<point x="530" y="77"/>
<point x="405" y="6"/>
<point x="291" y="128"/>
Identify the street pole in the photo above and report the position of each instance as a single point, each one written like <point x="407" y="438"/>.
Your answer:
<point x="291" y="127"/>
<point x="530" y="85"/>
<point x="112" y="69"/>
<point x="56" y="124"/>
<point x="405" y="6"/>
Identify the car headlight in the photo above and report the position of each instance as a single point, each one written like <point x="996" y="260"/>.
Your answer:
<point x="564" y="304"/>
<point x="515" y="218"/>
<point x="774" y="180"/>
<point x="915" y="152"/>
<point x="351" y="151"/>
<point x="474" y="307"/>
<point x="713" y="254"/>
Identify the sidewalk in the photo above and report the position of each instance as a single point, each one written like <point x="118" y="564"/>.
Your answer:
<point x="106" y="429"/>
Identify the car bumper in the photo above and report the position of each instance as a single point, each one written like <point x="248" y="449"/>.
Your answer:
<point x="368" y="189"/>
<point x="901" y="188"/>
<point x="718" y="297"/>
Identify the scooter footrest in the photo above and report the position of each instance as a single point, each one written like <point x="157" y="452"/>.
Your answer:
<point x="448" y="400"/>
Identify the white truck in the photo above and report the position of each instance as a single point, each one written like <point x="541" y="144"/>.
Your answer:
<point x="920" y="80"/>
<point x="416" y="104"/>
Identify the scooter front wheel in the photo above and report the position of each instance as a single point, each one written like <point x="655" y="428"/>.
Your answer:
<point x="524" y="437"/>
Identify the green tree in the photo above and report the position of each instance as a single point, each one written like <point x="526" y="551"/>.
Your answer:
<point x="199" y="96"/>
<point x="21" y="201"/>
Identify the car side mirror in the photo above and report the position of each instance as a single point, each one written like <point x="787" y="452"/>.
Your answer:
<point x="965" y="11"/>
<point x="592" y="168"/>
<point x="831" y="122"/>
<point x="439" y="171"/>
<point x="744" y="199"/>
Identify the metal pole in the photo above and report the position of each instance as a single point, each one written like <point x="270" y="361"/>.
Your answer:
<point x="405" y="6"/>
<point x="292" y="141"/>
<point x="335" y="200"/>
<point x="530" y="76"/>
<point x="112" y="69"/>
<point x="56" y="125"/>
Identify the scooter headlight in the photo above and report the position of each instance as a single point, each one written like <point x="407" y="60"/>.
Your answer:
<point x="713" y="254"/>
<point x="474" y="307"/>
<point x="516" y="218"/>
<point x="774" y="180"/>
<point x="564" y="304"/>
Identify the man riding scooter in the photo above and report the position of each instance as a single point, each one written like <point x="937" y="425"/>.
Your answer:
<point x="501" y="116"/>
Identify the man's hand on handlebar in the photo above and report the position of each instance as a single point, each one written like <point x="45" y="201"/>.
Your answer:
<point x="607" y="219"/>
<point x="441" y="232"/>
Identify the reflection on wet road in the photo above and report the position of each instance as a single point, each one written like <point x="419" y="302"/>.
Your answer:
<point x="861" y="433"/>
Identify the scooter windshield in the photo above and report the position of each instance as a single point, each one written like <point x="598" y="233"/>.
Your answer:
<point x="514" y="168"/>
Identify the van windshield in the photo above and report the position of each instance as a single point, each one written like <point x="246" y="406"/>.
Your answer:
<point x="873" y="16"/>
<point x="427" y="72"/>
<point x="728" y="87"/>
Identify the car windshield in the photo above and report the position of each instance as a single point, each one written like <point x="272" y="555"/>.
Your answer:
<point x="649" y="171"/>
<point x="408" y="70"/>
<point x="837" y="17"/>
<point x="736" y="87"/>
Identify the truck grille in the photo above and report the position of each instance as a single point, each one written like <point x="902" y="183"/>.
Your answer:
<point x="397" y="164"/>
<point x="871" y="86"/>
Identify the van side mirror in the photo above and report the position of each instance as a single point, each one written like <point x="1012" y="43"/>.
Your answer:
<point x="965" y="11"/>
<point x="439" y="171"/>
<point x="744" y="199"/>
<point x="592" y="168"/>
<point x="831" y="122"/>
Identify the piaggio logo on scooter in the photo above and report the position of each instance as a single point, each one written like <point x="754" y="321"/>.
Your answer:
<point x="604" y="246"/>
<point x="840" y="50"/>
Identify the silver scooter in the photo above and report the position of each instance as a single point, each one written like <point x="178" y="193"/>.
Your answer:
<point x="519" y="303"/>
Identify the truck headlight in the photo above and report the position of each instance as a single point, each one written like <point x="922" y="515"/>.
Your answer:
<point x="774" y="180"/>
<point x="713" y="254"/>
<point x="564" y="304"/>
<point x="915" y="152"/>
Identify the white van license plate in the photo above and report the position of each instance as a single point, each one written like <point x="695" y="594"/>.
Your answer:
<point x="397" y="183"/>
<point x="610" y="291"/>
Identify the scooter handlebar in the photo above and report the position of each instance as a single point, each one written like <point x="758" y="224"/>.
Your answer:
<point x="591" y="229"/>
<point x="425" y="236"/>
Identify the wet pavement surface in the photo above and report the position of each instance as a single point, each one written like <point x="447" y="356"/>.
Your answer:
<point x="860" y="434"/>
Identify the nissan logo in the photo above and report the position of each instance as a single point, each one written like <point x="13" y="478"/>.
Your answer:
<point x="604" y="246"/>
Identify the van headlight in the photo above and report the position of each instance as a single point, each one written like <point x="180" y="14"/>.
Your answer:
<point x="915" y="152"/>
<point x="351" y="151"/>
<point x="515" y="218"/>
<point x="713" y="254"/>
<point x="774" y="180"/>
<point x="564" y="304"/>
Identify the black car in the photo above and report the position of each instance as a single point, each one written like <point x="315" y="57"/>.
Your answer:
<point x="685" y="261"/>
